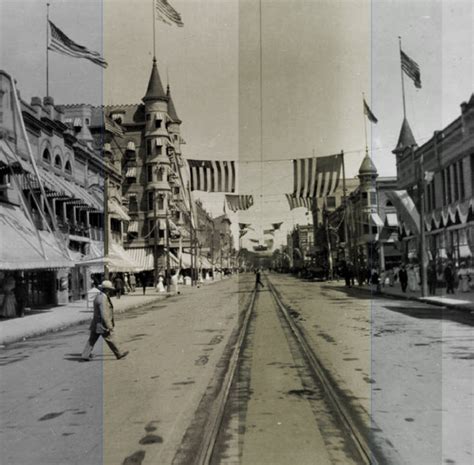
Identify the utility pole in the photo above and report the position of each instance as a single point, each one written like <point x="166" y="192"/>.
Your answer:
<point x="168" y="271"/>
<point x="421" y="187"/>
<point x="155" y="242"/>
<point x="344" y="200"/>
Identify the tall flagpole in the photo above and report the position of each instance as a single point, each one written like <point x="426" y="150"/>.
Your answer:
<point x="365" y="126"/>
<point x="403" y="81"/>
<point x="154" y="28"/>
<point x="47" y="49"/>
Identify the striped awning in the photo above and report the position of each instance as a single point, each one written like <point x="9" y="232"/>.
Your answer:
<point x="143" y="257"/>
<point x="23" y="247"/>
<point x="376" y="220"/>
<point x="131" y="172"/>
<point x="161" y="141"/>
<point x="117" y="211"/>
<point x="391" y="220"/>
<point x="133" y="227"/>
<point x="161" y="116"/>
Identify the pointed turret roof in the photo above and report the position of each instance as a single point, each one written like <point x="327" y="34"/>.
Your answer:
<point x="367" y="166"/>
<point x="171" y="108"/>
<point x="155" y="87"/>
<point x="405" y="139"/>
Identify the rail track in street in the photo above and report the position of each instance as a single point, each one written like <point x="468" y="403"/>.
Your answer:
<point x="275" y="403"/>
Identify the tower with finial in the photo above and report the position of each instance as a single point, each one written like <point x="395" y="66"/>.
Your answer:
<point x="157" y="140"/>
<point x="368" y="201"/>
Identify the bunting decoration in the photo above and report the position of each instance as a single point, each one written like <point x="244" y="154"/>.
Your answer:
<point x="316" y="177"/>
<point x="268" y="231"/>
<point x="244" y="226"/>
<point x="368" y="112"/>
<point x="243" y="232"/>
<point x="167" y="13"/>
<point x="411" y="69"/>
<point x="297" y="202"/>
<point x="212" y="176"/>
<point x="254" y="240"/>
<point x="239" y="202"/>
<point x="276" y="226"/>
<point x="61" y="43"/>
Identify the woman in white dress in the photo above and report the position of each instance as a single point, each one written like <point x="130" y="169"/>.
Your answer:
<point x="464" y="278"/>
<point x="412" y="279"/>
<point x="160" y="286"/>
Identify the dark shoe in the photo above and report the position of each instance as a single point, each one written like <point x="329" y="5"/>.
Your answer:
<point x="123" y="355"/>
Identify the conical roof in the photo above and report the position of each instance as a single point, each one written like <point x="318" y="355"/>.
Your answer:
<point x="171" y="108"/>
<point x="405" y="139"/>
<point x="367" y="166"/>
<point x="155" y="87"/>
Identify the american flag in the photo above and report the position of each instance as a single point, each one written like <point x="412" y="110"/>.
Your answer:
<point x="239" y="202"/>
<point x="61" y="43"/>
<point x="411" y="69"/>
<point x="316" y="177"/>
<point x="368" y="112"/>
<point x="167" y="13"/>
<point x="212" y="176"/>
<point x="296" y="202"/>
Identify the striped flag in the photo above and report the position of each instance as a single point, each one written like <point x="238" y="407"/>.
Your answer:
<point x="212" y="176"/>
<point x="411" y="69"/>
<point x="297" y="202"/>
<point x="316" y="177"/>
<point x="61" y="43"/>
<point x="368" y="112"/>
<point x="239" y="202"/>
<point x="167" y="13"/>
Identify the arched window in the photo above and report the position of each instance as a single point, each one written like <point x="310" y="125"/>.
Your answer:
<point x="67" y="167"/>
<point x="46" y="156"/>
<point x="58" y="163"/>
<point x="389" y="203"/>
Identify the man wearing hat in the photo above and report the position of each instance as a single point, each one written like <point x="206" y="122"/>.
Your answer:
<point x="102" y="323"/>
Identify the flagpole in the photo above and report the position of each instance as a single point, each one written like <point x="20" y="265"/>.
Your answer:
<point x="365" y="127"/>
<point x="154" y="28"/>
<point x="403" y="81"/>
<point x="47" y="49"/>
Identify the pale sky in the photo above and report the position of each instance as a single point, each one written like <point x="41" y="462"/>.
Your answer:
<point x="317" y="59"/>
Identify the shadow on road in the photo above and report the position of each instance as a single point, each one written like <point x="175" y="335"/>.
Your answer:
<point x="433" y="313"/>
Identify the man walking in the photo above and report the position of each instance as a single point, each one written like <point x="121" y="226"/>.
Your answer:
<point x="403" y="278"/>
<point x="258" y="278"/>
<point x="102" y="323"/>
<point x="449" y="278"/>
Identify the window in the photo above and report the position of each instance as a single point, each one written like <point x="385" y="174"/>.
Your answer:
<point x="176" y="190"/>
<point x="157" y="123"/>
<point x="148" y="117"/>
<point x="58" y="162"/>
<point x="151" y="197"/>
<point x="389" y="203"/>
<point x="455" y="181"/>
<point x="151" y="228"/>
<point x="159" y="149"/>
<point x="373" y="198"/>
<point x="149" y="149"/>
<point x="330" y="202"/>
<point x="46" y="156"/>
<point x="161" y="202"/>
<point x="443" y="179"/>
<point x="132" y="203"/>
<point x="462" y="190"/>
<point x="365" y="198"/>
<point x="448" y="184"/>
<point x="67" y="167"/>
<point x="161" y="174"/>
<point x="149" y="173"/>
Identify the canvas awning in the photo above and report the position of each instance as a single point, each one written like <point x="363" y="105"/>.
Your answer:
<point x="131" y="172"/>
<point x="9" y="162"/>
<point x="391" y="220"/>
<point x="132" y="227"/>
<point x="20" y="244"/>
<point x="117" y="211"/>
<point x="117" y="260"/>
<point x="143" y="257"/>
<point x="376" y="220"/>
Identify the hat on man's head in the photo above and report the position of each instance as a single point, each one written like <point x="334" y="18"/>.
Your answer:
<point x="107" y="285"/>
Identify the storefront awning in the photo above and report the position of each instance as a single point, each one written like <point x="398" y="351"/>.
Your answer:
<point x="185" y="260"/>
<point x="9" y="162"/>
<point x="132" y="227"/>
<point x="392" y="220"/>
<point x="117" y="211"/>
<point x="376" y="220"/>
<point x="143" y="257"/>
<point x="21" y="245"/>
<point x="117" y="260"/>
<point x="131" y="172"/>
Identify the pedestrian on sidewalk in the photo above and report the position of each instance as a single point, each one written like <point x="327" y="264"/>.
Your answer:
<point x="133" y="282"/>
<point x="449" y="278"/>
<point x="258" y="278"/>
<point x="102" y="323"/>
<point x="432" y="278"/>
<point x="464" y="278"/>
<point x="412" y="279"/>
<point x="118" y="281"/>
<point x="403" y="277"/>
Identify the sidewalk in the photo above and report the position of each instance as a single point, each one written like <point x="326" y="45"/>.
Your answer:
<point x="42" y="321"/>
<point x="459" y="301"/>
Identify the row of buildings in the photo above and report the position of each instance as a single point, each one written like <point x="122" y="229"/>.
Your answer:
<point x="90" y="191"/>
<point x="378" y="227"/>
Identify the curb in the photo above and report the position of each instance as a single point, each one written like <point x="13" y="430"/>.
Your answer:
<point x="8" y="340"/>
<point x="424" y="300"/>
